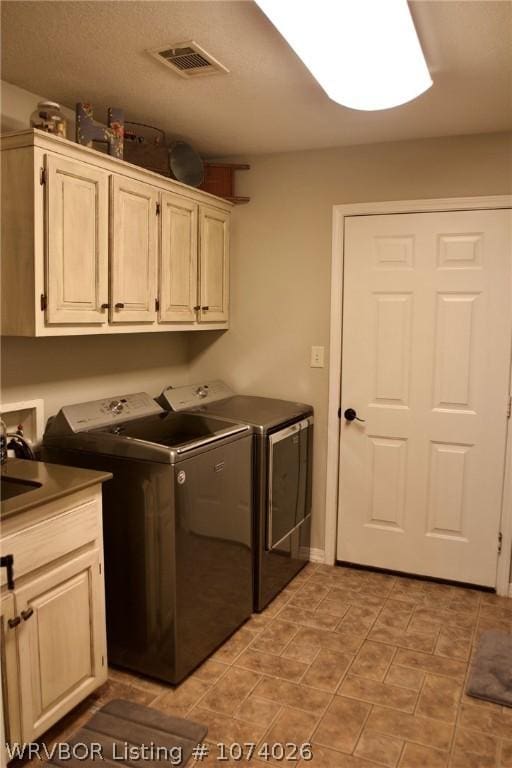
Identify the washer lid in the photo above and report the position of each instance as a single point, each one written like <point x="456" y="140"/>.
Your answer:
<point x="263" y="413"/>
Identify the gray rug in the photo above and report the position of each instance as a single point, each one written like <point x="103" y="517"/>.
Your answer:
<point x="490" y="676"/>
<point x="116" y="733"/>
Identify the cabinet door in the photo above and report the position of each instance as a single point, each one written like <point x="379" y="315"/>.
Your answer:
<point x="9" y="667"/>
<point x="62" y="642"/>
<point x="77" y="242"/>
<point x="178" y="260"/>
<point x="134" y="239"/>
<point x="213" y="265"/>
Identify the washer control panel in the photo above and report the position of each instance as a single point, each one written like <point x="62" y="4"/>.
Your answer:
<point x="183" y="398"/>
<point x="102" y="413"/>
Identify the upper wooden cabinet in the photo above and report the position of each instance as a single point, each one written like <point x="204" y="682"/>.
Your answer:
<point x="95" y="245"/>
<point x="134" y="240"/>
<point x="213" y="264"/>
<point x="178" y="259"/>
<point x="77" y="251"/>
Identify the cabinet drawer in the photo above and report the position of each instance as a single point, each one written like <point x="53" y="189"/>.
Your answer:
<point x="49" y="539"/>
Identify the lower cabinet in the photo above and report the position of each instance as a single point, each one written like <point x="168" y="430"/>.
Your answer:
<point x="53" y="623"/>
<point x="60" y="641"/>
<point x="10" y="674"/>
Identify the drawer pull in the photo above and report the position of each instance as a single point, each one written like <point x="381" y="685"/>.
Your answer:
<point x="7" y="561"/>
<point x="25" y="615"/>
<point x="14" y="622"/>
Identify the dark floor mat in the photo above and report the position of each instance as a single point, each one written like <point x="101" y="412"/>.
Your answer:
<point x="123" y="733"/>
<point x="490" y="677"/>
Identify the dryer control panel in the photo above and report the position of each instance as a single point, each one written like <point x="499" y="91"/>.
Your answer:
<point x="192" y="395"/>
<point x="102" y="413"/>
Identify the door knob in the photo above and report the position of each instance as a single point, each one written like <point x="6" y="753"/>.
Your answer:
<point x="350" y="415"/>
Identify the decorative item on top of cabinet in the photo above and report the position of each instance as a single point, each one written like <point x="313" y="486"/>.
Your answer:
<point x="220" y="180"/>
<point x="146" y="146"/>
<point x="89" y="130"/>
<point x="81" y="234"/>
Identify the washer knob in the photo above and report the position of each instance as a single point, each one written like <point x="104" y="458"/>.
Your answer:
<point x="115" y="406"/>
<point x="202" y="391"/>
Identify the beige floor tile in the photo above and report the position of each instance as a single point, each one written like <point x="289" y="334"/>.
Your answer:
<point x="474" y="749"/>
<point x="229" y="692"/>
<point x="327" y="669"/>
<point x="506" y="754"/>
<point x="486" y="717"/>
<point x="275" y="637"/>
<point x="137" y="681"/>
<point x="425" y="619"/>
<point x="358" y="619"/>
<point x="395" y="614"/>
<point x="210" y="671"/>
<point x="454" y="642"/>
<point x="342" y="724"/>
<point x="378" y="693"/>
<point x="308" y="618"/>
<point x="301" y="651"/>
<point x="268" y="664"/>
<point x="343" y="642"/>
<point x="291" y="725"/>
<point x="257" y="711"/>
<point x="292" y="695"/>
<point x="184" y="696"/>
<point x="439" y="698"/>
<point x="113" y="689"/>
<point x="417" y="756"/>
<point x="373" y="660"/>
<point x="423" y="730"/>
<point x="334" y="607"/>
<point x="234" y="646"/>
<point x="408" y="590"/>
<point x="418" y="642"/>
<point x="438" y="665"/>
<point x="328" y="758"/>
<point x="406" y="677"/>
<point x="227" y="729"/>
<point x="383" y="750"/>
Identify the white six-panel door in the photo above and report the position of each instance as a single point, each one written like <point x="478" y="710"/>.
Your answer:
<point x="425" y="362"/>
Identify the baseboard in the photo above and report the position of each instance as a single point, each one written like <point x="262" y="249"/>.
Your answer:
<point x="314" y="555"/>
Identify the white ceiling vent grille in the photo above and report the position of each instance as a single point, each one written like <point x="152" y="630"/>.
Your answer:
<point x="188" y="59"/>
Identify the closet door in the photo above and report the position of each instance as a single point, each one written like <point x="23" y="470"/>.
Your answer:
<point x="178" y="260"/>
<point x="213" y="265"/>
<point x="134" y="242"/>
<point x="77" y="242"/>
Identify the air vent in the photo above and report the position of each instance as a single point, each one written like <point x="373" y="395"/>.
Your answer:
<point x="188" y="59"/>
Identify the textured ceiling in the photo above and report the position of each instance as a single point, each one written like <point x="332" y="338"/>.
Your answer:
<point x="95" y="51"/>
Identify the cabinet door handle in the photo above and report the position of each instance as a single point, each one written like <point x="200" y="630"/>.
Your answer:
<point x="197" y="308"/>
<point x="14" y="622"/>
<point x="105" y="306"/>
<point x="7" y="561"/>
<point x="25" y="615"/>
<point x="119" y="305"/>
<point x="205" y="309"/>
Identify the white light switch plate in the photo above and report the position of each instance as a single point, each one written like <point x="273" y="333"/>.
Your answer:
<point x="317" y="357"/>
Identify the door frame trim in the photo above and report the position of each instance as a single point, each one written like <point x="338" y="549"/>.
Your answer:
<point x="340" y="213"/>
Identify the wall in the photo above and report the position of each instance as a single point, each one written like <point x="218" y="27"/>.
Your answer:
<point x="17" y="105"/>
<point x="281" y="252"/>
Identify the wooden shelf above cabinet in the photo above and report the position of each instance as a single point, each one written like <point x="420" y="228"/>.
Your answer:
<point x="219" y="179"/>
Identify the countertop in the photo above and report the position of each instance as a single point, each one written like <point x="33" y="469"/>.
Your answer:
<point x="56" y="481"/>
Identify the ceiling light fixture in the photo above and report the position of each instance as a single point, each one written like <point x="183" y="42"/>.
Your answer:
<point x="364" y="53"/>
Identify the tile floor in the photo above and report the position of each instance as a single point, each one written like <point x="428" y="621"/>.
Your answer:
<point x="369" y="668"/>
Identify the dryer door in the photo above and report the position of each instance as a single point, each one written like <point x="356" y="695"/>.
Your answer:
<point x="287" y="481"/>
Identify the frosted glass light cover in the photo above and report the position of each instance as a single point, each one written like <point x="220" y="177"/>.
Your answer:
<point x="364" y="53"/>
